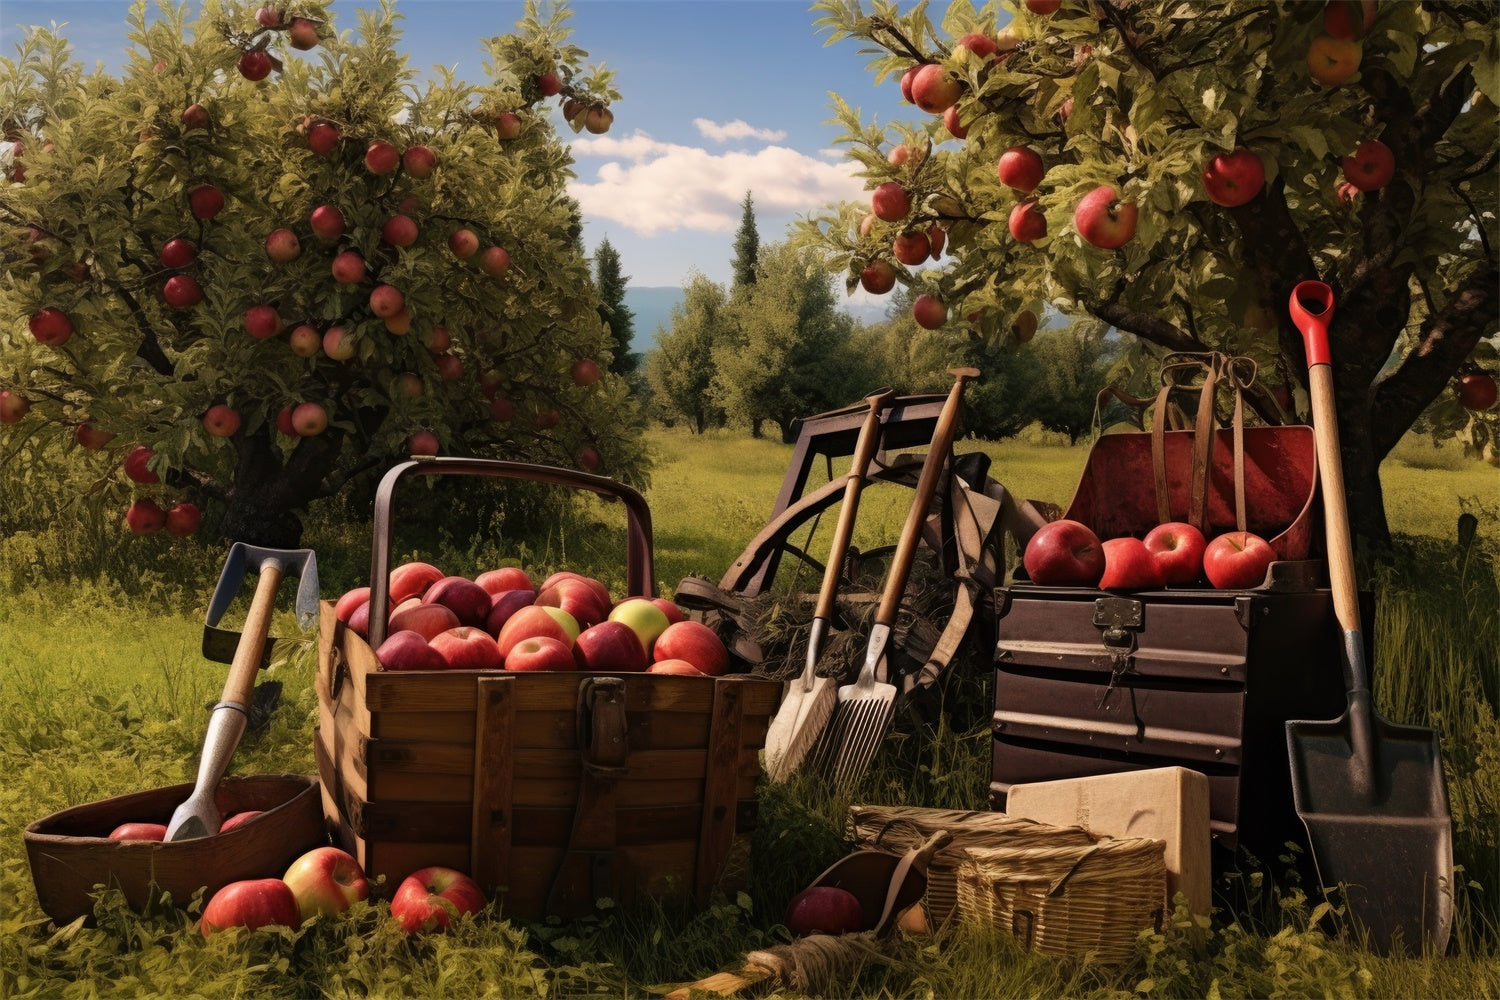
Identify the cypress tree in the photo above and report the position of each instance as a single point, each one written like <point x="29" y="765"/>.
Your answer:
<point x="746" y="246"/>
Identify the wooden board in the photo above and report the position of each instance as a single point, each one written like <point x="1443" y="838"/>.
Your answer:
<point x="1164" y="803"/>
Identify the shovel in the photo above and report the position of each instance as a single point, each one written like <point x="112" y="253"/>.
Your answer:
<point x="864" y="708"/>
<point x="198" y="815"/>
<point x="1371" y="793"/>
<point x="808" y="701"/>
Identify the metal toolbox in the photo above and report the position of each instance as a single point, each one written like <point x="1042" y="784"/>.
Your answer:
<point x="1093" y="682"/>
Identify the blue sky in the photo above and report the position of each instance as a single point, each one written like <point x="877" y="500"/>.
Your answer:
<point x="719" y="97"/>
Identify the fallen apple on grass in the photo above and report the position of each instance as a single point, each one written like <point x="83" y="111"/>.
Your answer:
<point x="326" y="880"/>
<point x="431" y="898"/>
<point x="251" y="903"/>
<point x="824" y="909"/>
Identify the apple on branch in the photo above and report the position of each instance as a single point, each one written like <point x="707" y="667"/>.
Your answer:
<point x="1103" y="220"/>
<point x="1235" y="178"/>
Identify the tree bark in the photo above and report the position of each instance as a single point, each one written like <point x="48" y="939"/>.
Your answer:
<point x="262" y="504"/>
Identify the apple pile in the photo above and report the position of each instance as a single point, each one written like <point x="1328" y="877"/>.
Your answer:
<point x="1067" y="553"/>
<point x="326" y="881"/>
<point x="501" y="620"/>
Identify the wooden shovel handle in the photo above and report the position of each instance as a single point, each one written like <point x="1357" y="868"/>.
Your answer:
<point x="864" y="453"/>
<point x="239" y="687"/>
<point x="932" y="468"/>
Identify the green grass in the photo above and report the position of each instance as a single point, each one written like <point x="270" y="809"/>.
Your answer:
<point x="103" y="692"/>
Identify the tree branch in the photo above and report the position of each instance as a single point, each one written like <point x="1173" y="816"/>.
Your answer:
<point x="1147" y="326"/>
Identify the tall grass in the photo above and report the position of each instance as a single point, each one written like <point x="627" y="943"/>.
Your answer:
<point x="103" y="692"/>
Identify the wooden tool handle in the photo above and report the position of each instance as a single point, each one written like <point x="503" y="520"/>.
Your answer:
<point x="864" y="453"/>
<point x="932" y="468"/>
<point x="239" y="687"/>
<point x="1340" y="554"/>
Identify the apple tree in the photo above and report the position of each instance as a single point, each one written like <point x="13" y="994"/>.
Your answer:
<point x="1174" y="169"/>
<point x="269" y="259"/>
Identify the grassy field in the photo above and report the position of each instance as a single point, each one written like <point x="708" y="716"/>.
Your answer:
<point x="103" y="692"/>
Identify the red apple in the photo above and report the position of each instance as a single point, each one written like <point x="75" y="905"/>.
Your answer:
<point x="302" y="34"/>
<point x="1477" y="391"/>
<point x="502" y="410"/>
<point x="182" y="291"/>
<point x="1129" y="565"/>
<point x="911" y="247"/>
<point x="137" y="465"/>
<point x="419" y="161"/>
<point x="878" y="277"/>
<point x="463" y="243"/>
<point x="431" y="898"/>
<point x="1233" y="179"/>
<point x="282" y="245"/>
<point x="1020" y="167"/>
<point x="468" y="648"/>
<point x="178" y="252"/>
<point x="824" y="909"/>
<point x="577" y="598"/>
<point x="585" y="371"/>
<point x="608" y="645"/>
<point x="139" y="831"/>
<point x="981" y="45"/>
<point x="1043" y="8"/>
<point x="87" y="435"/>
<point x="1027" y="221"/>
<point x="531" y="622"/>
<point x="465" y="598"/>
<point x="694" y="642"/>
<point x="221" y="420"/>
<point x="381" y="157"/>
<point x="953" y="122"/>
<point x="422" y="443"/>
<point x="597" y="586"/>
<point x="906" y="81"/>
<point x="890" y="202"/>
<point x="268" y="17"/>
<point x="1237" y="559"/>
<point x="327" y="222"/>
<point x="348" y="601"/>
<point x="51" y="326"/>
<point x="399" y="231"/>
<point x="326" y="880"/>
<point x="406" y="649"/>
<point x="540" y="652"/>
<point x="1371" y="166"/>
<point x="411" y="579"/>
<point x="505" y="578"/>
<point x="426" y="619"/>
<point x="929" y="311"/>
<point x="305" y="341"/>
<point x="145" y="516"/>
<point x="1102" y="219"/>
<point x="449" y="367"/>
<point x="194" y="116"/>
<point x="251" y="903"/>
<point x="504" y="604"/>
<point x="645" y="618"/>
<point x="255" y="65"/>
<point x="239" y="819"/>
<point x="495" y="261"/>
<point x="323" y="138"/>
<point x="1064" y="553"/>
<point x="337" y="344"/>
<point x="262" y="322"/>
<point x="680" y="668"/>
<point x="183" y="519"/>
<point x="934" y="89"/>
<point x="508" y="125"/>
<point x="439" y="339"/>
<point x="1178" y="549"/>
<point x="1348" y="19"/>
<point x="548" y="84"/>
<point x="670" y="609"/>
<point x="14" y="406"/>
<point x="348" y="267"/>
<point x="386" y="300"/>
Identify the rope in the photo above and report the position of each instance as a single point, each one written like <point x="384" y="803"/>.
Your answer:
<point x="819" y="963"/>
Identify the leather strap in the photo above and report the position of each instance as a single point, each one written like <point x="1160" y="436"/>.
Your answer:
<point x="588" y="870"/>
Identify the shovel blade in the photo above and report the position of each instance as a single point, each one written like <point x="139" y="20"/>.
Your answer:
<point x="1390" y="850"/>
<point x="801" y="719"/>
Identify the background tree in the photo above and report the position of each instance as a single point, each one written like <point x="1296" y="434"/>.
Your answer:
<point x="613" y="310"/>
<point x="681" y="369"/>
<point x="746" y="245"/>
<point x="790" y="354"/>
<point x="275" y="273"/>
<point x="1138" y="99"/>
<point x="1072" y="364"/>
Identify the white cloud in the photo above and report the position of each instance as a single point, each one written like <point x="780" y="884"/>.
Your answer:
<point x="653" y="187"/>
<point x="736" y="129"/>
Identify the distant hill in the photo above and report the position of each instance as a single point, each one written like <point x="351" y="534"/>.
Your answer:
<point x="652" y="308"/>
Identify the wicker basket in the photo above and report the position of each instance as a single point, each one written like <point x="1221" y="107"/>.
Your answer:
<point x="897" y="829"/>
<point x="1068" y="900"/>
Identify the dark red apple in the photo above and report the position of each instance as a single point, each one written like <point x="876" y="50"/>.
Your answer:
<point x="183" y="519"/>
<point x="381" y="157"/>
<point x="466" y="648"/>
<point x="406" y="649"/>
<point x="419" y="161"/>
<point x="504" y="604"/>
<point x="137" y="465"/>
<point x="824" y="909"/>
<point x="179" y="252"/>
<point x="50" y="326"/>
<point x="145" y="516"/>
<point x="1233" y="179"/>
<point x="1064" y="553"/>
<point x="540" y="652"/>
<point x="606" y="645"/>
<point x="465" y="598"/>
<point x="255" y="65"/>
<point x="182" y="291"/>
<point x="1027" y="221"/>
<point x="323" y="138"/>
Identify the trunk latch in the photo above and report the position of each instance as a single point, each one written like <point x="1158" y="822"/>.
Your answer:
<point x="1118" y="619"/>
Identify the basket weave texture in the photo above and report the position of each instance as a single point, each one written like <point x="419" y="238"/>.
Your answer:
<point x="1068" y="900"/>
<point x="897" y="829"/>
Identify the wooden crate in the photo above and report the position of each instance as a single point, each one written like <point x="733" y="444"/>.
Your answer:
<point x="556" y="789"/>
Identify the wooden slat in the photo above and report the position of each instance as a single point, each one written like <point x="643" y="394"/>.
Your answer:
<point x="493" y="819"/>
<point x="720" y="788"/>
<point x="420" y="790"/>
<point x="418" y="757"/>
<point x="450" y="727"/>
<point x="453" y="690"/>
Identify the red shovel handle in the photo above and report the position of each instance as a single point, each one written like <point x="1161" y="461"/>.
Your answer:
<point x="1312" y="310"/>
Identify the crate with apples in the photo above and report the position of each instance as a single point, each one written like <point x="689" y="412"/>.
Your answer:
<point x="557" y="742"/>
